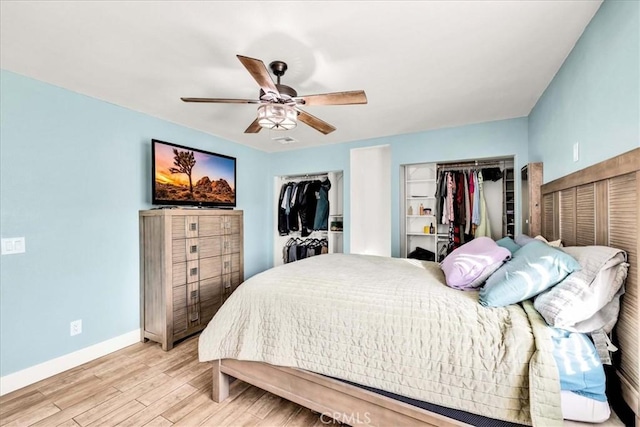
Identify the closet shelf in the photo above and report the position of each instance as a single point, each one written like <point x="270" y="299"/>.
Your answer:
<point x="421" y="216"/>
<point x="421" y="234"/>
<point x="421" y="198"/>
<point x="420" y="180"/>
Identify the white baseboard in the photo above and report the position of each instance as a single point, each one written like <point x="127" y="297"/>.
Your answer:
<point x="36" y="373"/>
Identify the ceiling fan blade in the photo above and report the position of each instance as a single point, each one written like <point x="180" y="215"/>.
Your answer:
<point x="335" y="98"/>
<point x="254" y="127"/>
<point x="314" y="122"/>
<point x="223" y="100"/>
<point x="259" y="72"/>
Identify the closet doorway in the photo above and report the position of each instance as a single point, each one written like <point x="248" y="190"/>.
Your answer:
<point x="433" y="226"/>
<point x="309" y="215"/>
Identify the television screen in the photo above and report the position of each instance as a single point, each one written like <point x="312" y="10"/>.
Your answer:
<point x="187" y="176"/>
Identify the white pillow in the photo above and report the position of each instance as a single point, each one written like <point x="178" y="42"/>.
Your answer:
<point x="555" y="243"/>
<point x="577" y="302"/>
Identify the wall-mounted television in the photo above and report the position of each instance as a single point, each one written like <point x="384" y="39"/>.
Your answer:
<point x="192" y="177"/>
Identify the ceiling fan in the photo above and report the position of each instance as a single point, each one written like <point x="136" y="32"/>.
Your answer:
<point x="279" y="104"/>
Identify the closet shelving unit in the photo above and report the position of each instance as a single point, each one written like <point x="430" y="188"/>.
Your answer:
<point x="336" y="215"/>
<point x="509" y="200"/>
<point x="420" y="189"/>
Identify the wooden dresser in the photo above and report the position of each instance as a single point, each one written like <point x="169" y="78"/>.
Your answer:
<point x="191" y="260"/>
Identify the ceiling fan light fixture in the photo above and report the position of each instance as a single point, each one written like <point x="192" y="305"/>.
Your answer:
<point x="277" y="116"/>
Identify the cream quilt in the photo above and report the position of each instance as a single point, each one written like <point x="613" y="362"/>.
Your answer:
<point x="393" y="324"/>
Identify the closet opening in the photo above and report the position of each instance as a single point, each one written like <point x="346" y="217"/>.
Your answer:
<point x="308" y="216"/>
<point x="446" y="204"/>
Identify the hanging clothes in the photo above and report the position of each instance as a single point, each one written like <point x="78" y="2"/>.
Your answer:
<point x="294" y="208"/>
<point x="491" y="174"/>
<point x="300" y="204"/>
<point x="467" y="205"/>
<point x="296" y="249"/>
<point x="283" y="209"/>
<point x="321" y="221"/>
<point x="476" y="200"/>
<point x="309" y="203"/>
<point x="471" y="196"/>
<point x="484" y="227"/>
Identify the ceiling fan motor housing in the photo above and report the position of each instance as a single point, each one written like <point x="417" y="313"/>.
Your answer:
<point x="288" y="91"/>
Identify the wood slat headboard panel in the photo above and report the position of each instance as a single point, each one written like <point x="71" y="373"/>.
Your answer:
<point x="601" y="205"/>
<point x="568" y="216"/>
<point x="586" y="215"/>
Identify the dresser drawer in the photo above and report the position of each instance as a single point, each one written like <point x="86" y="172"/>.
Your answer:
<point x="230" y="263"/>
<point x="210" y="226"/>
<point x="235" y="280"/>
<point x="210" y="267"/>
<point x="211" y="290"/>
<point x="231" y="244"/>
<point x="185" y="249"/>
<point x="230" y="282"/>
<point x="209" y="309"/>
<point x="185" y="272"/>
<point x="184" y="226"/>
<point x="180" y="320"/>
<point x="209" y="247"/>
<point x="192" y="249"/>
<point x="179" y="296"/>
<point x="205" y="268"/>
<point x="231" y="224"/>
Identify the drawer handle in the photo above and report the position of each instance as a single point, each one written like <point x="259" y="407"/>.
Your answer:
<point x="193" y="249"/>
<point x="226" y="264"/>
<point x="193" y="226"/>
<point x="194" y="294"/>
<point x="226" y="245"/>
<point x="193" y="271"/>
<point x="194" y="316"/>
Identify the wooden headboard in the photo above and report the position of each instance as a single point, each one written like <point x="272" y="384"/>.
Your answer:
<point x="600" y="205"/>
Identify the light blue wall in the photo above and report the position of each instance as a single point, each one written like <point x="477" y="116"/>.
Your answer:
<point x="594" y="98"/>
<point x="478" y="141"/>
<point x="74" y="171"/>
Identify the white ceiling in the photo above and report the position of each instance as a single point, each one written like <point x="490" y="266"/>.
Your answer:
<point x="424" y="65"/>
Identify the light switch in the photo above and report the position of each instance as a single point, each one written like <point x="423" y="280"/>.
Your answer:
<point x="13" y="245"/>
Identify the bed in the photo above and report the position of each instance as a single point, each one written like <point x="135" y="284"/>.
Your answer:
<point x="436" y="340"/>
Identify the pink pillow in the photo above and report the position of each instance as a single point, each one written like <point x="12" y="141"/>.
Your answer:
<point x="472" y="261"/>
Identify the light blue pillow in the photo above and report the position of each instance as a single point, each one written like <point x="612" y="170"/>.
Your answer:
<point x="508" y="243"/>
<point x="534" y="268"/>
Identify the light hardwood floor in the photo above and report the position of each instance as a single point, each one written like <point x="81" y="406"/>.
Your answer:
<point x="142" y="385"/>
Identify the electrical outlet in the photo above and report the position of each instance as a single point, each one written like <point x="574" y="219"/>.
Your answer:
<point x="75" y="327"/>
<point x="576" y="151"/>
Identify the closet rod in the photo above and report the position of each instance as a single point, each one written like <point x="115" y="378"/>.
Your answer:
<point x="306" y="176"/>
<point x="471" y="165"/>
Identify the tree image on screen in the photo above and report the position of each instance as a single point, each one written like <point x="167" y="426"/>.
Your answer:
<point x="188" y="176"/>
<point x="185" y="162"/>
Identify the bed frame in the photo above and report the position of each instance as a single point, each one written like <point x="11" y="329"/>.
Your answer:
<point x="598" y="205"/>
